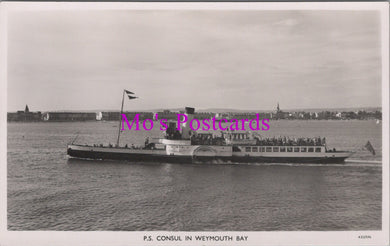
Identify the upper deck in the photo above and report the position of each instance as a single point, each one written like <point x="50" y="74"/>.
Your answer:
<point x="287" y="149"/>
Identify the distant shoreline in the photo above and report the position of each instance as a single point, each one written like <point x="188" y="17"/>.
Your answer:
<point x="221" y="110"/>
<point x="278" y="114"/>
<point x="273" y="120"/>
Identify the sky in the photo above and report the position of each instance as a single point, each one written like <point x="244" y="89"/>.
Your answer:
<point x="248" y="59"/>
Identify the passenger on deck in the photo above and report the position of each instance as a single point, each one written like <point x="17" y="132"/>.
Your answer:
<point x="146" y="141"/>
<point x="286" y="141"/>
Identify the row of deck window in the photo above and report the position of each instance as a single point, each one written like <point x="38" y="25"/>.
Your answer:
<point x="282" y="149"/>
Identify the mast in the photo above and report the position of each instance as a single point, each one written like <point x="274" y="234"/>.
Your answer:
<point x="120" y="119"/>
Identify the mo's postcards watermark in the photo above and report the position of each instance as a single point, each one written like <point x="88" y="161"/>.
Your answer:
<point x="215" y="124"/>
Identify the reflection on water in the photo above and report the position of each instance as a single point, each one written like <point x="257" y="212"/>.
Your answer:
<point x="48" y="191"/>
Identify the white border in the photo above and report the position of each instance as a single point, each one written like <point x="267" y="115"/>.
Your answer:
<point x="136" y="238"/>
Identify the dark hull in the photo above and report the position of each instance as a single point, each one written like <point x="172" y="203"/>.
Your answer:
<point x="96" y="155"/>
<point x="135" y="157"/>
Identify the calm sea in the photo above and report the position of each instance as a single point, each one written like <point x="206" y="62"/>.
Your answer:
<point x="49" y="191"/>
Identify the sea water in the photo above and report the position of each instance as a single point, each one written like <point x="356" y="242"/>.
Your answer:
<point x="47" y="190"/>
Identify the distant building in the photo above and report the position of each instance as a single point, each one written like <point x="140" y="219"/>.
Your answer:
<point x="114" y="115"/>
<point x="69" y="116"/>
<point x="110" y="116"/>
<point x="142" y="115"/>
<point x="99" y="116"/>
<point x="219" y="116"/>
<point x="166" y="114"/>
<point x="203" y="115"/>
<point x="240" y="116"/>
<point x="24" y="116"/>
<point x="281" y="114"/>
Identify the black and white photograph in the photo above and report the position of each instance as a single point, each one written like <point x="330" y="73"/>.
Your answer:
<point x="194" y="123"/>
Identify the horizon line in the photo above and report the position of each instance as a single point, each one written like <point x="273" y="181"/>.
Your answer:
<point x="200" y="109"/>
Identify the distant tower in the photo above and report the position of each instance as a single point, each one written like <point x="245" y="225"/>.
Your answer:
<point x="26" y="110"/>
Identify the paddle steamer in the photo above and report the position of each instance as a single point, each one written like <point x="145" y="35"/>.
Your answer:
<point x="187" y="146"/>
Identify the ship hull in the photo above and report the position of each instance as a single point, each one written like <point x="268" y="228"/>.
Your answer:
<point x="140" y="155"/>
<point x="133" y="157"/>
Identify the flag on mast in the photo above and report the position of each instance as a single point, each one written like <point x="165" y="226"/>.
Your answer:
<point x="369" y="147"/>
<point x="129" y="93"/>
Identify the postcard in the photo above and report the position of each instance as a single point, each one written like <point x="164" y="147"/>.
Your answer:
<point x="182" y="123"/>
